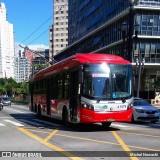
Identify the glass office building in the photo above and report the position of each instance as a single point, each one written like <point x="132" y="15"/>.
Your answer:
<point x="98" y="26"/>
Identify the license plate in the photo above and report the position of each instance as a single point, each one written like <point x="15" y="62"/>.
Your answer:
<point x="122" y="106"/>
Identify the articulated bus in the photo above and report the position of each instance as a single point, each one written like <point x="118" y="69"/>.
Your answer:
<point x="84" y="88"/>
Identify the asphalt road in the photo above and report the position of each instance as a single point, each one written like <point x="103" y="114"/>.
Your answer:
<point x="23" y="134"/>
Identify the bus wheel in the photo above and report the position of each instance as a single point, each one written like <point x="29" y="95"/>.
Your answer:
<point x="65" y="117"/>
<point x="39" y="112"/>
<point x="106" y="124"/>
<point x="132" y="119"/>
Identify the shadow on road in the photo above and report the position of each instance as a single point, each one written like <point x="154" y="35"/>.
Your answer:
<point x="32" y="120"/>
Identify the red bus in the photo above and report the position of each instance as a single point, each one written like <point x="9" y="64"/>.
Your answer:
<point x="84" y="88"/>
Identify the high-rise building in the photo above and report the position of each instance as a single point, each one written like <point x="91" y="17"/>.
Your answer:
<point x="6" y="45"/>
<point x="59" y="29"/>
<point x="128" y="28"/>
<point x="22" y="69"/>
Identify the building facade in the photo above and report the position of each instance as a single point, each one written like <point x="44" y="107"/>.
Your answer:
<point x="59" y="29"/>
<point x="98" y="26"/>
<point x="6" y="45"/>
<point x="22" y="69"/>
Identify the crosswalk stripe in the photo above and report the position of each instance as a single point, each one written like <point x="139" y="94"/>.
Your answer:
<point x="118" y="125"/>
<point x="14" y="123"/>
<point x="32" y="123"/>
<point x="1" y="124"/>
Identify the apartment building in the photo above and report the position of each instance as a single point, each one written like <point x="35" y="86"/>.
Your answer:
<point x="59" y="29"/>
<point x="6" y="45"/>
<point x="22" y="69"/>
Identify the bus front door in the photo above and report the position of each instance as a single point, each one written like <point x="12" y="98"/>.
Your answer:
<point x="73" y="100"/>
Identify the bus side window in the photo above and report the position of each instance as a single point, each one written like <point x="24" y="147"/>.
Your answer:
<point x="60" y="86"/>
<point x="54" y="87"/>
<point x="66" y="85"/>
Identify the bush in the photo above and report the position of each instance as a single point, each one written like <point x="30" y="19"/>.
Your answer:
<point x="20" y="102"/>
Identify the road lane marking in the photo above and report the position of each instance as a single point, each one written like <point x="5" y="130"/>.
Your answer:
<point x="50" y="135"/>
<point x="87" y="139"/>
<point x="123" y="145"/>
<point x="14" y="123"/>
<point x="30" y="122"/>
<point x="1" y="124"/>
<point x="118" y="125"/>
<point x="145" y="135"/>
<point x="56" y="148"/>
<point x="93" y="140"/>
<point x="37" y="131"/>
<point x="5" y="117"/>
<point x="14" y="110"/>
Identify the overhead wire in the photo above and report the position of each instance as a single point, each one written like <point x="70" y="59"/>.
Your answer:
<point x="40" y="27"/>
<point x="36" y="29"/>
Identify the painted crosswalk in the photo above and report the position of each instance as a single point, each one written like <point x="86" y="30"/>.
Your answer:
<point x="26" y="122"/>
<point x="1" y="124"/>
<point x="14" y="123"/>
<point x="42" y="123"/>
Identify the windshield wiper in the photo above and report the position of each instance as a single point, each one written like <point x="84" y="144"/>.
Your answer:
<point x="100" y="98"/>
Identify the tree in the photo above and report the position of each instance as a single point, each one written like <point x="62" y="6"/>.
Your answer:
<point x="10" y="87"/>
<point x="25" y="88"/>
<point x="2" y="81"/>
<point x="2" y="90"/>
<point x="157" y="83"/>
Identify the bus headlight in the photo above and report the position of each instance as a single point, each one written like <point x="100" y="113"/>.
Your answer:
<point x="88" y="106"/>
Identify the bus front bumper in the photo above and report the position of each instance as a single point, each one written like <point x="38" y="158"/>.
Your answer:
<point x="89" y="116"/>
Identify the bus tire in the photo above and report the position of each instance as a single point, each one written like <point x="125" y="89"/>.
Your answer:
<point x="106" y="124"/>
<point x="65" y="118"/>
<point x="39" y="112"/>
<point x="132" y="119"/>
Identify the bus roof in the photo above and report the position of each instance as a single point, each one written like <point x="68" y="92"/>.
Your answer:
<point x="78" y="59"/>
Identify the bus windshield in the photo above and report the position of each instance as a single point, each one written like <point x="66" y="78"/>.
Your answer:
<point x="103" y="81"/>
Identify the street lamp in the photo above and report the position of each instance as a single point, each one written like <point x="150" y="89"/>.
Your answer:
<point x="139" y="69"/>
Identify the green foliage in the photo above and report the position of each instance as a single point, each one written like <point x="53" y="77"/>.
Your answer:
<point x="11" y="87"/>
<point x="2" y="81"/>
<point x="38" y="67"/>
<point x="157" y="82"/>
<point x="2" y="89"/>
<point x="25" y="88"/>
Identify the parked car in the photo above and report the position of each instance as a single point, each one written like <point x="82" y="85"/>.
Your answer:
<point x="5" y="101"/>
<point x="143" y="111"/>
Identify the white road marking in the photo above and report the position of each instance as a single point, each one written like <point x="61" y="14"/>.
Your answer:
<point x="118" y="125"/>
<point x="15" y="110"/>
<point x="30" y="122"/>
<point x="1" y="124"/>
<point x="14" y="123"/>
<point x="5" y="117"/>
<point x="53" y="124"/>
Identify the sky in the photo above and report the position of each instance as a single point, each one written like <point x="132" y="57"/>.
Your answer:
<point x="31" y="20"/>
